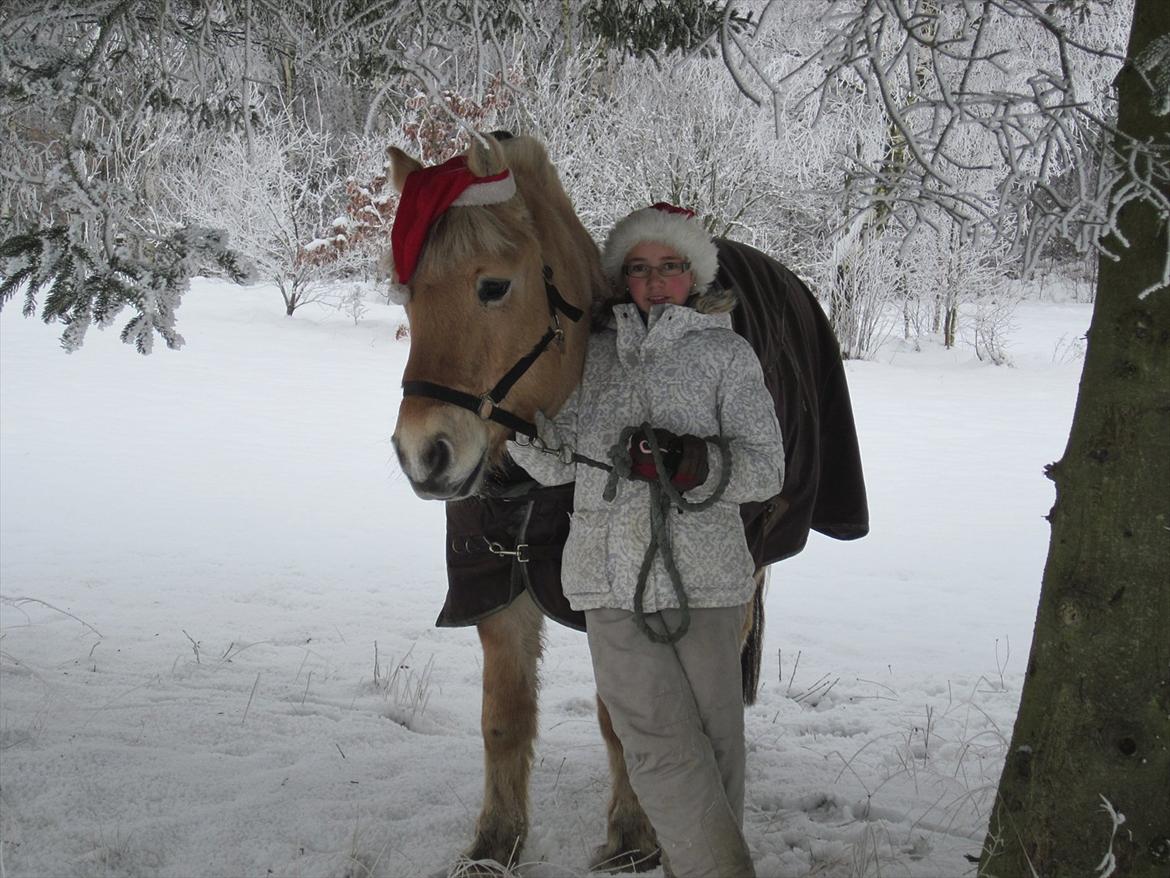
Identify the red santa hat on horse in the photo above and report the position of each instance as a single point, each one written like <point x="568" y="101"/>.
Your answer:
<point x="428" y="193"/>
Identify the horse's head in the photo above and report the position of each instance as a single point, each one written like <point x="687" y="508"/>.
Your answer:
<point x="475" y="268"/>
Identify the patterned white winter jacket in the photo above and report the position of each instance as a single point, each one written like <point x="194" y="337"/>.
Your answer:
<point x="688" y="372"/>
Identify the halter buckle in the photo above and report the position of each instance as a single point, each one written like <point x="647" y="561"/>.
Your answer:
<point x="486" y="407"/>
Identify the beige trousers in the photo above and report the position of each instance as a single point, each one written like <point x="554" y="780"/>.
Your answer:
<point x="678" y="711"/>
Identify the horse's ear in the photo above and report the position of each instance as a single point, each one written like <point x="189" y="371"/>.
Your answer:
<point x="401" y="166"/>
<point x="486" y="156"/>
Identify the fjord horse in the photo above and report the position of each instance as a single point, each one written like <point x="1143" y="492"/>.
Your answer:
<point x="465" y="333"/>
<point x="498" y="304"/>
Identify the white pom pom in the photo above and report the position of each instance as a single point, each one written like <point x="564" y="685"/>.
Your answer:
<point x="399" y="294"/>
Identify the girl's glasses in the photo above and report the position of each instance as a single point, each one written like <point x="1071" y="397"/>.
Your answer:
<point x="643" y="270"/>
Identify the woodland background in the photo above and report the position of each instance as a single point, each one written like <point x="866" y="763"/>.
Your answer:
<point x="906" y="159"/>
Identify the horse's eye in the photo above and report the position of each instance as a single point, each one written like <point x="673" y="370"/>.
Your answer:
<point x="492" y="289"/>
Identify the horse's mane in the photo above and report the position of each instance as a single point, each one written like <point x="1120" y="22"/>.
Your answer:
<point x="460" y="237"/>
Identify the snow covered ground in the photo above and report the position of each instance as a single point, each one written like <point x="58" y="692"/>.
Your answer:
<point x="216" y="646"/>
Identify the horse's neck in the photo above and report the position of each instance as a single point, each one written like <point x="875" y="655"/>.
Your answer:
<point x="567" y="248"/>
<point x="564" y="242"/>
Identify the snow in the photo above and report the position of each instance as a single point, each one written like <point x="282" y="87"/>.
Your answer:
<point x="204" y="552"/>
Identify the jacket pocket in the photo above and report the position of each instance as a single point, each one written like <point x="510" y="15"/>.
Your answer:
<point x="586" y="567"/>
<point x="712" y="555"/>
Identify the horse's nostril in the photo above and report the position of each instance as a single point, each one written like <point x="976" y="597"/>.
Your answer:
<point x="437" y="457"/>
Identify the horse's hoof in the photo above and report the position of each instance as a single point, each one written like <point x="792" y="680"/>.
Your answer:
<point x="490" y="854"/>
<point x="623" y="858"/>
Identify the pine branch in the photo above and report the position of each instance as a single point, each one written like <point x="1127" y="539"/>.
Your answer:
<point x="86" y="287"/>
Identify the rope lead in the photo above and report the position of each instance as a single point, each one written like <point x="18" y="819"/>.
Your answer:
<point x="663" y="497"/>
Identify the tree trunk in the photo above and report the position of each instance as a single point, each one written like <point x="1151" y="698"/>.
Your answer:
<point x="950" y="324"/>
<point x="842" y="310"/>
<point x="1094" y="718"/>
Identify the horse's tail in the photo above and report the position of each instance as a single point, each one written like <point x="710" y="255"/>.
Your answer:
<point x="752" y="652"/>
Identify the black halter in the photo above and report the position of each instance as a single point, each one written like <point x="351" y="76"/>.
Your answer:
<point x="487" y="405"/>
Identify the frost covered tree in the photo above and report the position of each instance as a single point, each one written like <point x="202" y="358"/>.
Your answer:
<point x="1086" y="784"/>
<point x="98" y="95"/>
<point x="1091" y="745"/>
<point x="271" y="193"/>
<point x="979" y="121"/>
<point x="94" y="95"/>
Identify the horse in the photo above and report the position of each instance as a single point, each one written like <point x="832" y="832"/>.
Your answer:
<point x="498" y="288"/>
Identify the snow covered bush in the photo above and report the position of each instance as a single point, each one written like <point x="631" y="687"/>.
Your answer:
<point x="353" y="303"/>
<point x="958" y="289"/>
<point x="859" y="281"/>
<point x="272" y="193"/>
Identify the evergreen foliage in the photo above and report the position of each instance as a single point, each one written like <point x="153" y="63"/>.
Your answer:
<point x="639" y="28"/>
<point x="85" y="288"/>
<point x="97" y="94"/>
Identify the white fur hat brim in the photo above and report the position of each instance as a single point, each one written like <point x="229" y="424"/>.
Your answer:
<point x="685" y="234"/>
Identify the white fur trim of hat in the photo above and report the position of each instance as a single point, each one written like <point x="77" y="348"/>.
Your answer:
<point x="665" y="224"/>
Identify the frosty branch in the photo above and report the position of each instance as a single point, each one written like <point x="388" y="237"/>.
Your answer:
<point x="1016" y="141"/>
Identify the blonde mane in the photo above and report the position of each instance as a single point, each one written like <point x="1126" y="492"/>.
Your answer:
<point x="471" y="233"/>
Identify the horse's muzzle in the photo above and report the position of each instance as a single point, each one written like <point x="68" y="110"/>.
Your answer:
<point x="433" y="473"/>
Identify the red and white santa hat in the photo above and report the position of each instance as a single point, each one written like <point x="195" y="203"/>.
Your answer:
<point x="426" y="195"/>
<point x="666" y="224"/>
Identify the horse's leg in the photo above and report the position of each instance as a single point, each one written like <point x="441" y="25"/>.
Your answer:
<point x="630" y="841"/>
<point x="511" y="641"/>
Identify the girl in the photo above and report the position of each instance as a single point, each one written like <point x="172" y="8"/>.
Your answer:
<point x="665" y="355"/>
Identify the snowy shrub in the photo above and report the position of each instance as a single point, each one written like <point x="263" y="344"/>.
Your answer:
<point x="1068" y="349"/>
<point x="353" y="303"/>
<point x="992" y="322"/>
<point x="860" y="277"/>
<point x="958" y="289"/>
<point x="272" y="192"/>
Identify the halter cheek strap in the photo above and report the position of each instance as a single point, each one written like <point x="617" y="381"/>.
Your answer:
<point x="487" y="405"/>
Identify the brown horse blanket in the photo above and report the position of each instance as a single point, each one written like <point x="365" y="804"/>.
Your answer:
<point x="824" y="488"/>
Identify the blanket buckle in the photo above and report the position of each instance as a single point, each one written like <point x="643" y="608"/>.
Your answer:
<point x="520" y="553"/>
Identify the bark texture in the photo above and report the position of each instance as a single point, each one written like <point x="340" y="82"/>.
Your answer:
<point x="1094" y="719"/>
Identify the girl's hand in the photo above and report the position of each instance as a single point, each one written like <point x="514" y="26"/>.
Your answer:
<point x="683" y="457"/>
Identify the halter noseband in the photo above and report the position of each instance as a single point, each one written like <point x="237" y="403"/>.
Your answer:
<point x="487" y="405"/>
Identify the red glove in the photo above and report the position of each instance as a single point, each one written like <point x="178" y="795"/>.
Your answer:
<point x="683" y="457"/>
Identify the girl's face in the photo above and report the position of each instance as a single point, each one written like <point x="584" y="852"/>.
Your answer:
<point x="653" y="288"/>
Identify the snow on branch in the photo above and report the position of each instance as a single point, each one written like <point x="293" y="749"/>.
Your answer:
<point x="1000" y="114"/>
<point x="104" y="103"/>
